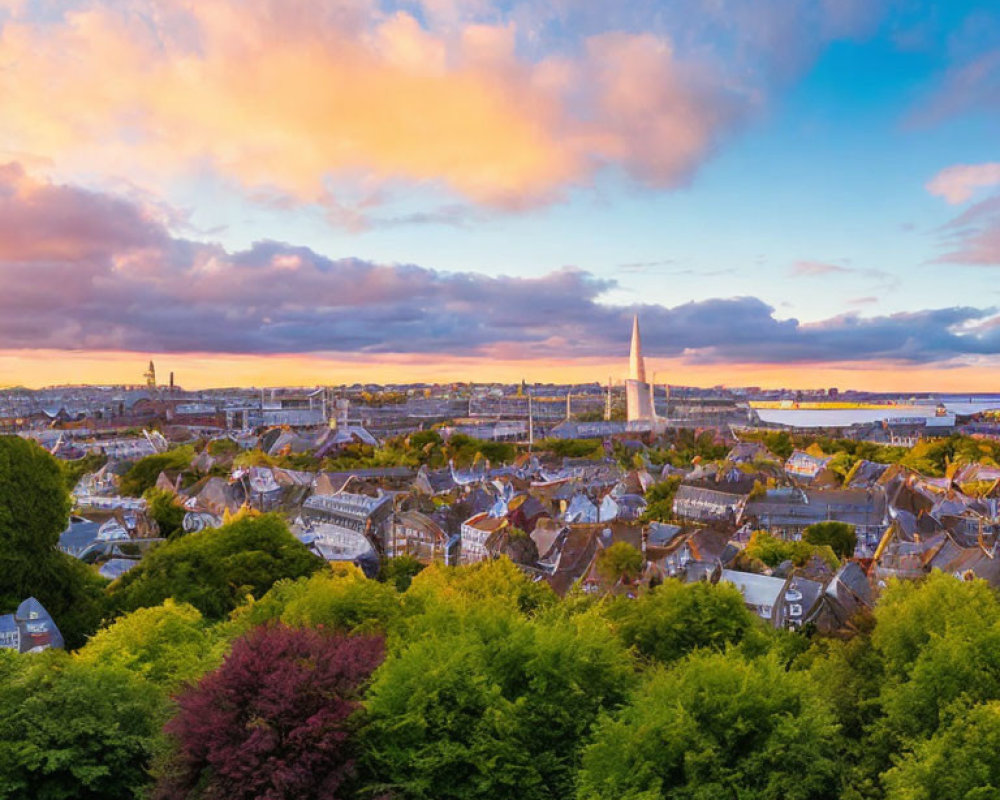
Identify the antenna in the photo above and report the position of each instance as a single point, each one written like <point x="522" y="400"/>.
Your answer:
<point x="531" y="424"/>
<point x="652" y="397"/>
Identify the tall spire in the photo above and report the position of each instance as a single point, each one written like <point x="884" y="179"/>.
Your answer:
<point x="637" y="367"/>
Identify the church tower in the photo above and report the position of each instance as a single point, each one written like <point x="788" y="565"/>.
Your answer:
<point x="636" y="363"/>
<point x="638" y="393"/>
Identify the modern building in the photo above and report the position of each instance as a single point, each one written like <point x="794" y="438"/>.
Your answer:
<point x="371" y="516"/>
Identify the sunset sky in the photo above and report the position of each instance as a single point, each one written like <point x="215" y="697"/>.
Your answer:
<point x="325" y="191"/>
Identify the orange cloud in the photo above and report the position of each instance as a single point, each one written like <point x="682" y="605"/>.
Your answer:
<point x="289" y="95"/>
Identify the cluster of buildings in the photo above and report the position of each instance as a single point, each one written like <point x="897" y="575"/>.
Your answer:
<point x="554" y="517"/>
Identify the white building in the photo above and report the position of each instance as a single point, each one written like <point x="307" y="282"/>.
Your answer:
<point x="638" y="393"/>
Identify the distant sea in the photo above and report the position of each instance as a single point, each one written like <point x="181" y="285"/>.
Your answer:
<point x="841" y="418"/>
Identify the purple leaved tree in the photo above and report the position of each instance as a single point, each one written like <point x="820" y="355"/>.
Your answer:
<point x="274" y="721"/>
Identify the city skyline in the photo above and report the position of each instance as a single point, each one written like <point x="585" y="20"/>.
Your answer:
<point x="440" y="190"/>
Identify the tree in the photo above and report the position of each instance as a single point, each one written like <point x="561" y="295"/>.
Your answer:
<point x="494" y="582"/>
<point x="498" y="452"/>
<point x="480" y="702"/>
<point x="167" y="645"/>
<point x="215" y="569"/>
<point x="338" y="598"/>
<point x="222" y="448"/>
<point x="142" y="475"/>
<point x="571" y="448"/>
<point x="716" y="725"/>
<point x="276" y="720"/>
<point x="74" y="730"/>
<point x="660" y="500"/>
<point x="910" y="613"/>
<point x="676" y="618"/>
<point x="34" y="510"/>
<point x="940" y="645"/>
<point x="620" y="561"/>
<point x="165" y="510"/>
<point x="961" y="761"/>
<point x="772" y="551"/>
<point x="838" y="536"/>
<point x="399" y="571"/>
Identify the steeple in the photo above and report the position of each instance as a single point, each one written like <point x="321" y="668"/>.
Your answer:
<point x="637" y="367"/>
<point x="638" y="393"/>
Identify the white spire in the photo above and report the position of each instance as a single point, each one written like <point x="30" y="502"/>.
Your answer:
<point x="637" y="367"/>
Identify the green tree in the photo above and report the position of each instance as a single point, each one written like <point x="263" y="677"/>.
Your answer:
<point x="676" y="618"/>
<point x="337" y="598"/>
<point x="495" y="582"/>
<point x="620" y="561"/>
<point x="838" y="536"/>
<point x="166" y="511"/>
<point x="215" y="569"/>
<point x="910" y="613"/>
<point x="222" y="448"/>
<point x="167" y="645"/>
<point x="142" y="475"/>
<point x="716" y="725"/>
<point x="940" y="643"/>
<point x="772" y="551"/>
<point x="960" y="761"/>
<point x="399" y="571"/>
<point x="571" y="448"/>
<point x="660" y="500"/>
<point x="487" y="704"/>
<point x="75" y="731"/>
<point x="498" y="452"/>
<point x="34" y="510"/>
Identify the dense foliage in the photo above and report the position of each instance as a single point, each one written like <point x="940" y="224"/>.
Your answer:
<point x="838" y="536"/>
<point x="142" y="475"/>
<point x="660" y="500"/>
<point x="34" y="510"/>
<point x="274" y="721"/>
<point x="716" y="725"/>
<point x="166" y="511"/>
<point x="620" y="562"/>
<point x="675" y="618"/>
<point x="70" y="729"/>
<point x="773" y="551"/>
<point x="488" y="704"/>
<point x="215" y="569"/>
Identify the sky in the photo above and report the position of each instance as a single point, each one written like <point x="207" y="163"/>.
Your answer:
<point x="274" y="192"/>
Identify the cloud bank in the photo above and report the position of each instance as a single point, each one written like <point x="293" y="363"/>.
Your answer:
<point x="88" y="271"/>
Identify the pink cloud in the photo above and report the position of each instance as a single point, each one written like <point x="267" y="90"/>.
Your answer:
<point x="958" y="183"/>
<point x="814" y="268"/>
<point x="973" y="237"/>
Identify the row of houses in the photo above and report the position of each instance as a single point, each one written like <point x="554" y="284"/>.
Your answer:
<point x="555" y="517"/>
